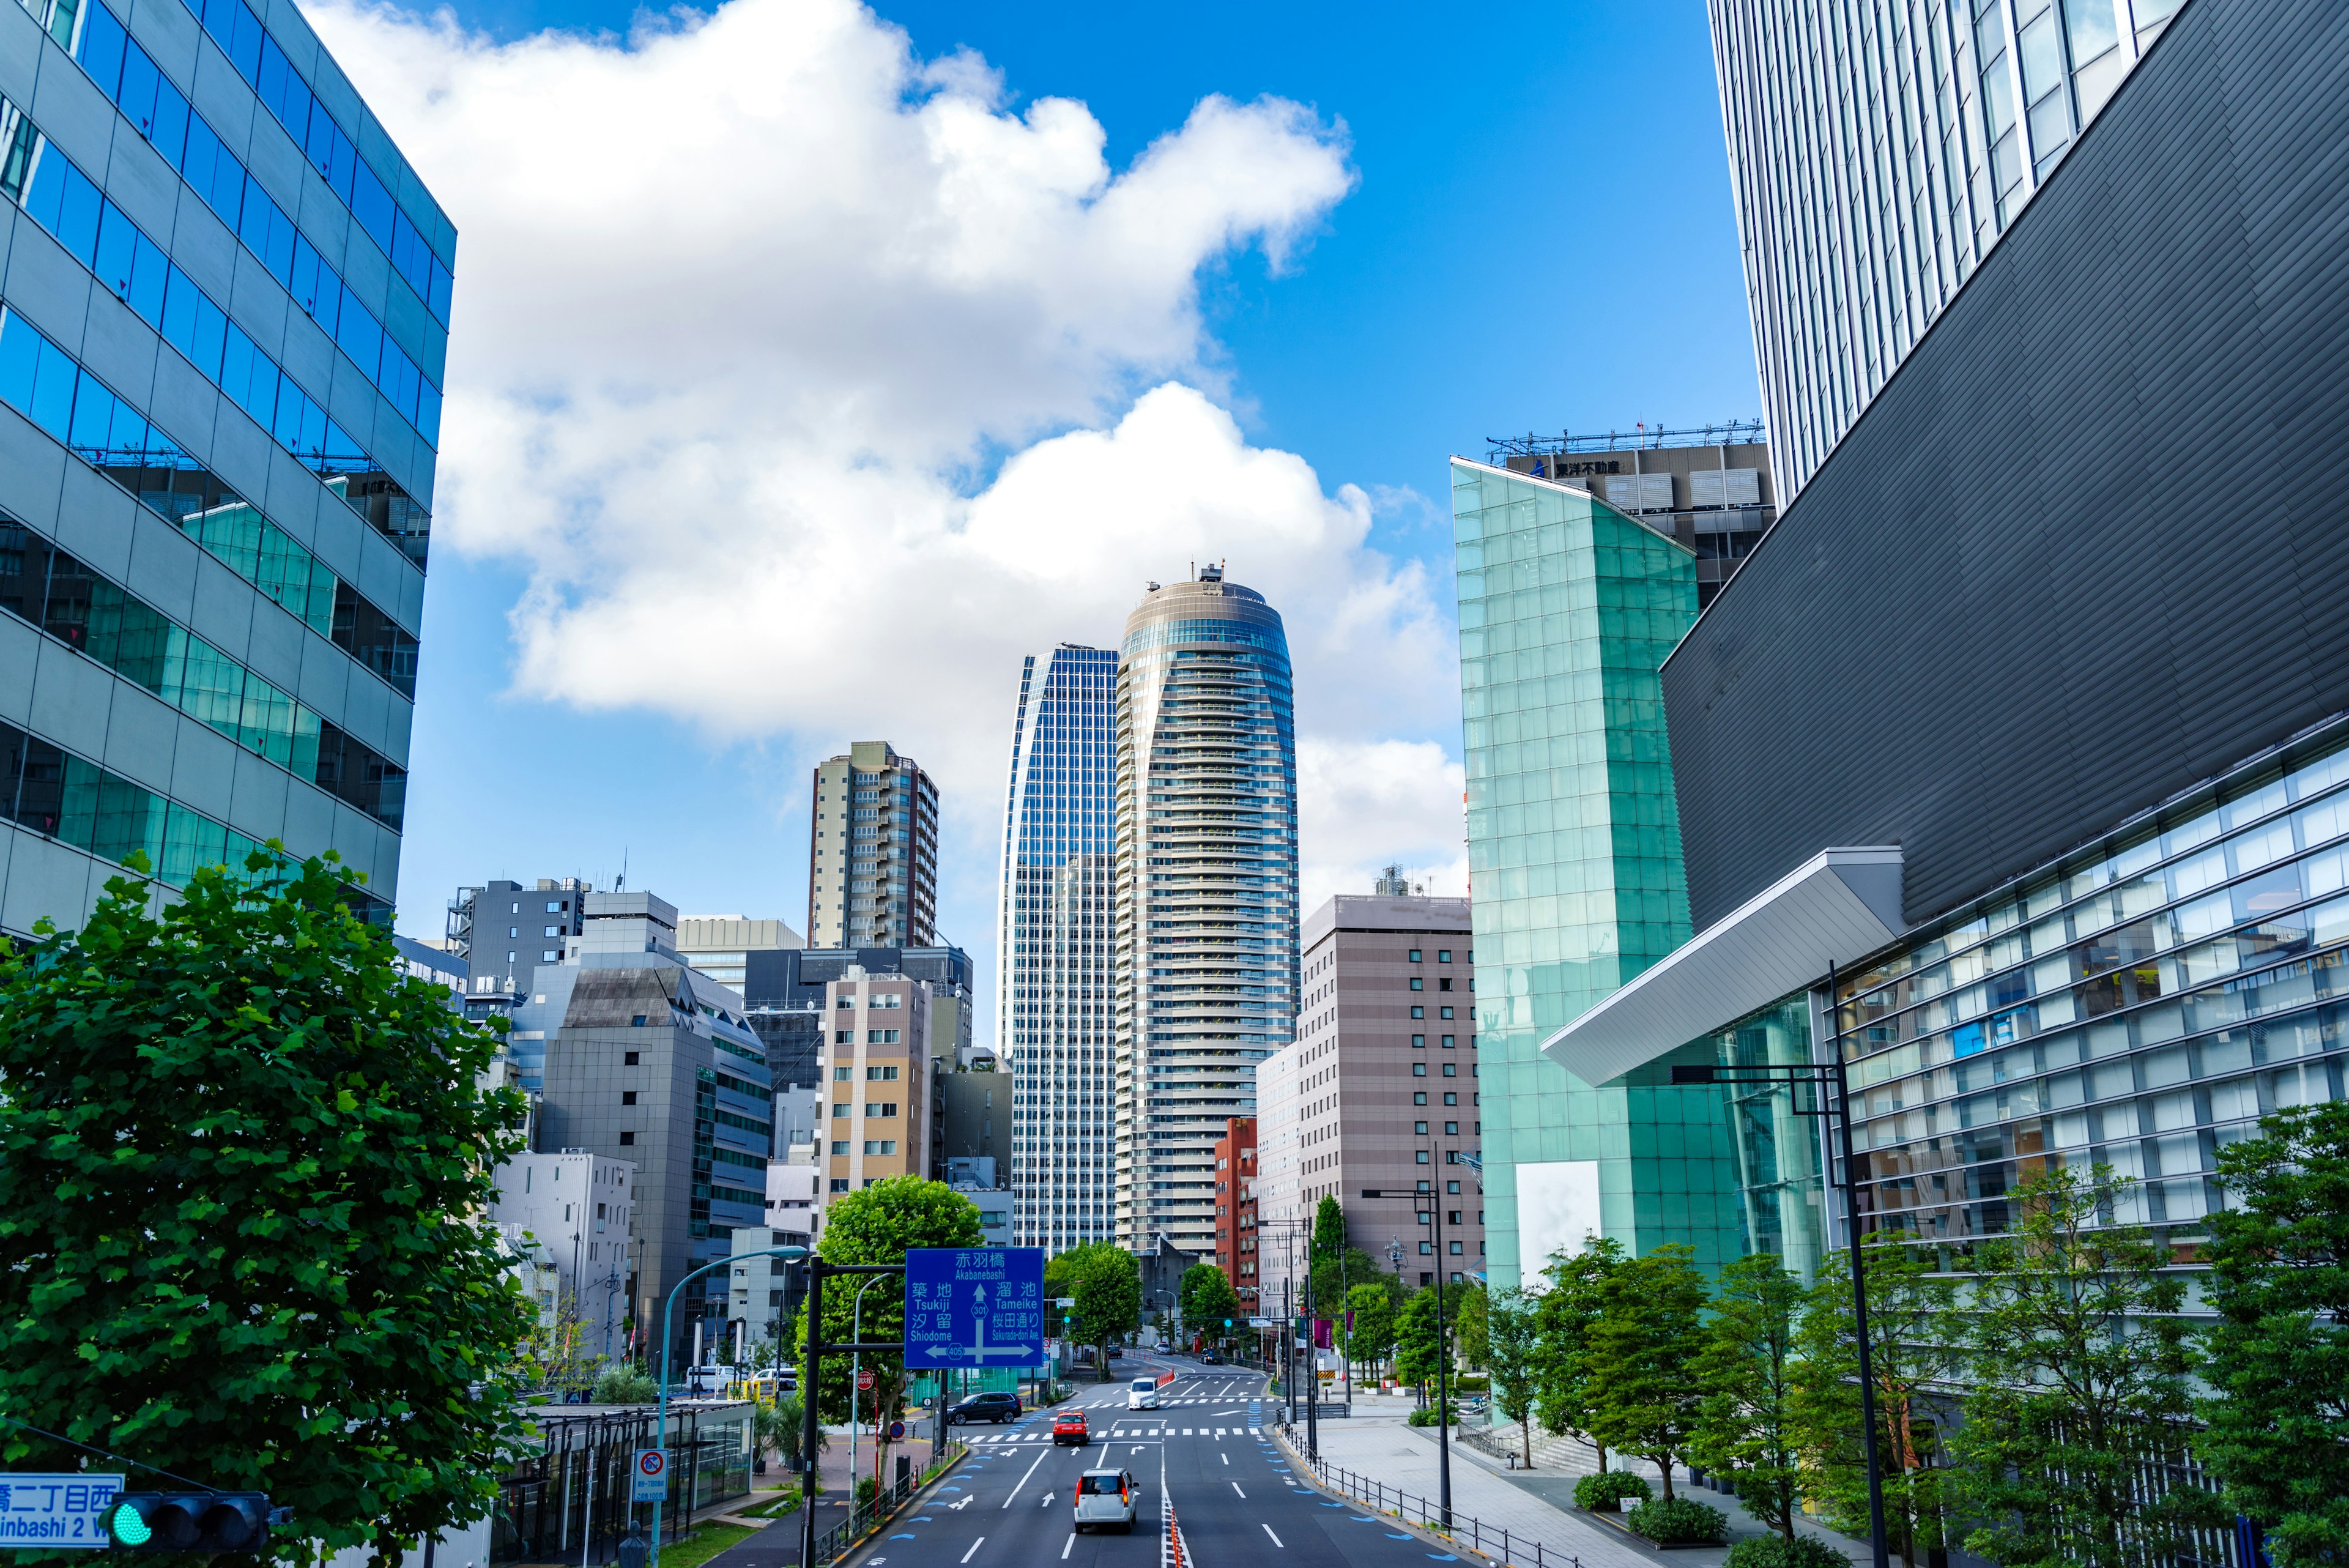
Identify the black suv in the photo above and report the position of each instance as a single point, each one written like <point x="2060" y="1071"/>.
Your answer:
<point x="996" y="1408"/>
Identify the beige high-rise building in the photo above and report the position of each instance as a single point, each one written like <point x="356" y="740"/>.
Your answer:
<point x="872" y="852"/>
<point x="1378" y="1092"/>
<point x="874" y="1118"/>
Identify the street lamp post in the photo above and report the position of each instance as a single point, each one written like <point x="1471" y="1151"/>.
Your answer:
<point x="661" y="1425"/>
<point x="1831" y="1086"/>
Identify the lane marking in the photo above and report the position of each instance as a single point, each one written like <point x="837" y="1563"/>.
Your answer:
<point x="1226" y="1457"/>
<point x="1023" y="1479"/>
<point x="1067" y="1545"/>
<point x="1235" y="1487"/>
<point x="1267" y="1530"/>
<point x="974" y="1548"/>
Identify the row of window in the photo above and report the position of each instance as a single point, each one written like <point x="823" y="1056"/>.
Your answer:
<point x="47" y="790"/>
<point x="149" y="101"/>
<point x="874" y="1109"/>
<point x="840" y="1145"/>
<point x="44" y="383"/>
<point x="50" y="589"/>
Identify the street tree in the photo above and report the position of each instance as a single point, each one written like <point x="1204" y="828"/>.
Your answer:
<point x="1105" y="1280"/>
<point x="1512" y="1355"/>
<point x="243" y="1162"/>
<point x="876" y="1224"/>
<point x="1747" y="1370"/>
<point x="1909" y="1351"/>
<point x="1371" y="1339"/>
<point x="1418" y="1352"/>
<point x="2277" y="1422"/>
<point x="1577" y="1286"/>
<point x="1209" y="1305"/>
<point x="1476" y="1326"/>
<point x="1329" y="1231"/>
<point x="2079" y="1382"/>
<point x="1638" y="1369"/>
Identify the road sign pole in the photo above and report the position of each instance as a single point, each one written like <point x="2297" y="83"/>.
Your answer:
<point x="660" y="1428"/>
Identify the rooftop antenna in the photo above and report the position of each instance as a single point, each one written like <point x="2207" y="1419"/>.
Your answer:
<point x="622" y="885"/>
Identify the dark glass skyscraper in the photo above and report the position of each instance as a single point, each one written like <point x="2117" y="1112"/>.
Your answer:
<point x="222" y="338"/>
<point x="1053" y="950"/>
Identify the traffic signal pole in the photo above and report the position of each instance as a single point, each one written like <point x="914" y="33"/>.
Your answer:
<point x="812" y="1429"/>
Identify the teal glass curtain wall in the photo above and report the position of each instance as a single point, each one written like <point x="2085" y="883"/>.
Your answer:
<point x="1566" y="609"/>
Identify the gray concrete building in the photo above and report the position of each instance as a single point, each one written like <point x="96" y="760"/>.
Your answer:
<point x="720" y="946"/>
<point x="222" y="331"/>
<point x="872" y="851"/>
<point x="502" y="930"/>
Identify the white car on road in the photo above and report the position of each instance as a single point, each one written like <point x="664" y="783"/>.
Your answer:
<point x="1142" y="1395"/>
<point x="1105" y="1496"/>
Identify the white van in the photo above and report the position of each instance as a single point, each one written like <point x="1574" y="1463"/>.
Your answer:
<point x="1144" y="1395"/>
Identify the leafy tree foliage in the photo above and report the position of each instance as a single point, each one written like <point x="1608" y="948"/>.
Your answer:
<point x="1907" y="1322"/>
<point x="1513" y="1355"/>
<point x="1106" y="1281"/>
<point x="1638" y="1368"/>
<point x="1336" y="1275"/>
<point x="1418" y="1352"/>
<point x="625" y="1384"/>
<point x="1371" y="1340"/>
<point x="1476" y="1326"/>
<point x="2079" y="1370"/>
<point x="2278" y="1360"/>
<point x="876" y="1225"/>
<point x="242" y="1162"/>
<point x="1569" y="1307"/>
<point x="1748" y="1370"/>
<point x="1207" y="1298"/>
<point x="1329" y="1229"/>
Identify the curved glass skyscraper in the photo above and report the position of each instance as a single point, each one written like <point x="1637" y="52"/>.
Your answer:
<point x="1204" y="892"/>
<point x="1053" y="936"/>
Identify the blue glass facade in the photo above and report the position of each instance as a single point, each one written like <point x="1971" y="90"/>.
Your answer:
<point x="1054" y="947"/>
<point x="219" y="405"/>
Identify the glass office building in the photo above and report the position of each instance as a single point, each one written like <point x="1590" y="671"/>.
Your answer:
<point x="1205" y="890"/>
<point x="1568" y="607"/>
<point x="222" y="325"/>
<point x="1877" y="151"/>
<point x="1053" y="949"/>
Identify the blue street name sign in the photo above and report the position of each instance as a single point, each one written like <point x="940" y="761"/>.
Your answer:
<point x="48" y="1511"/>
<point x="974" y="1306"/>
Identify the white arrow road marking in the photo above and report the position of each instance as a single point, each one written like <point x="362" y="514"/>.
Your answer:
<point x="981" y="1542"/>
<point x="1267" y="1530"/>
<point x="1023" y="1479"/>
<point x="966" y="1502"/>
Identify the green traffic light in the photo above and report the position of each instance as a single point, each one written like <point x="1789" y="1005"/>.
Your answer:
<point x="126" y="1525"/>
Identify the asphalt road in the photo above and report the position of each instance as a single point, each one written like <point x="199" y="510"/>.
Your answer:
<point x="1009" y="1505"/>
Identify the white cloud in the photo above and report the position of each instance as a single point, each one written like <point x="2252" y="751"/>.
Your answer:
<point x="742" y="303"/>
<point x="1366" y="805"/>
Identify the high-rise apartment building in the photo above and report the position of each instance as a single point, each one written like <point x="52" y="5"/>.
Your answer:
<point x="1877" y="152"/>
<point x="1708" y="487"/>
<point x="223" y="322"/>
<point x="1379" y="1086"/>
<point x="1054" y="947"/>
<point x="877" y="1089"/>
<point x="872" y="852"/>
<point x="1205" y="891"/>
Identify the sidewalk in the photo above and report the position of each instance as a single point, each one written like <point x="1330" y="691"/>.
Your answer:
<point x="1531" y="1505"/>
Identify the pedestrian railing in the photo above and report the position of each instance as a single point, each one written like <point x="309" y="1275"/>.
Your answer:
<point x="1503" y="1546"/>
<point x="870" y="1515"/>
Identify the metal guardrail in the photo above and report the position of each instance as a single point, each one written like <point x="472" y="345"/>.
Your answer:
<point x="866" y="1518"/>
<point x="1514" y="1550"/>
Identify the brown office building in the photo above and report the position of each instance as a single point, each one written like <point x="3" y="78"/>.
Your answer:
<point x="1379" y="1090"/>
<point x="1235" y="1251"/>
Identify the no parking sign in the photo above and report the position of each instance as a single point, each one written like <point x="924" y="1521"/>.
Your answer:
<point x="651" y="1470"/>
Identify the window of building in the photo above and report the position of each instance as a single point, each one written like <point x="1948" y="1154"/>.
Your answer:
<point x="1420" y="1158"/>
<point x="1419" y="1069"/>
<point x="840" y="1145"/>
<point x="839" y="1112"/>
<point x="837" y="1184"/>
<point x="1443" y="955"/>
<point x="1443" y="1013"/>
<point x="874" y="1109"/>
<point x="880" y="1075"/>
<point x="1419" y="1041"/>
<point x="1417" y="984"/>
<point x="554" y="931"/>
<point x="840" y="1074"/>
<point x="1415" y="955"/>
<point x="1452" y="1129"/>
<point x="1447" y="1042"/>
<point x="628" y="1097"/>
<point x="881" y="1037"/>
<point x="549" y="957"/>
<point x="1419" y="1013"/>
<point x="1444" y="985"/>
<point x="1426" y="1248"/>
<point x="636" y="1023"/>
<point x="1450" y="1099"/>
<point x="1420" y="1098"/>
<point x="628" y="1139"/>
<point x="1451" y="1069"/>
<point x="880" y="1145"/>
<point x="1452" y="1186"/>
<point x="1419" y="1128"/>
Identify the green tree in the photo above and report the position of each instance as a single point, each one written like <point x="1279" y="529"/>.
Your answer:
<point x="1578" y="1289"/>
<point x="243" y="1161"/>
<point x="1418" y="1352"/>
<point x="1514" y="1358"/>
<point x="1373" y="1337"/>
<point x="876" y="1225"/>
<point x="2080" y="1373"/>
<point x="1475" y="1326"/>
<point x="1329" y="1231"/>
<point x="1908" y="1311"/>
<point x="1638" y="1368"/>
<point x="2277" y="1432"/>
<point x="1207" y="1299"/>
<point x="1748" y="1371"/>
<point x="1106" y="1281"/>
<point x="1336" y="1275"/>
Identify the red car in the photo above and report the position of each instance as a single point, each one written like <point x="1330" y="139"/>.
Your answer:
<point x="1068" y="1427"/>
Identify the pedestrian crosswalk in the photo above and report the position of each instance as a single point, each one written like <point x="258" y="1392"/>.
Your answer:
<point x="1117" y="1402"/>
<point x="1123" y="1429"/>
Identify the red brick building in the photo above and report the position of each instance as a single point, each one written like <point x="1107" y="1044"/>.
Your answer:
<point x="1236" y="1208"/>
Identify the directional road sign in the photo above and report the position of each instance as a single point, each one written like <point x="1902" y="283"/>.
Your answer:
<point x="56" y="1511"/>
<point x="652" y="1477"/>
<point x="974" y="1306"/>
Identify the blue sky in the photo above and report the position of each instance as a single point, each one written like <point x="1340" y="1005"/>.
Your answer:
<point x="1538" y="235"/>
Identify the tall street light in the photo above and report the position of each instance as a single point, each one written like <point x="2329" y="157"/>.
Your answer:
<point x="1831" y="1096"/>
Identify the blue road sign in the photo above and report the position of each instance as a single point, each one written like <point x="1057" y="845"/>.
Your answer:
<point x="974" y="1306"/>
